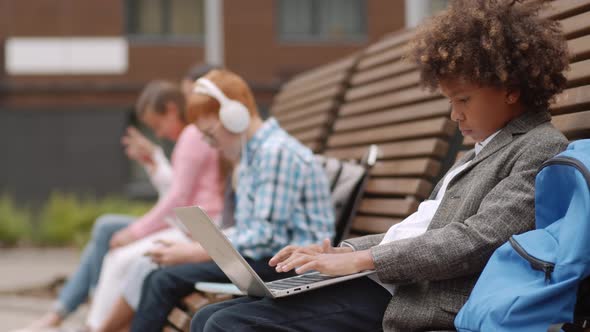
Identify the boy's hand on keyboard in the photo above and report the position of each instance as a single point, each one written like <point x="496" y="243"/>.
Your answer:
<point x="330" y="264"/>
<point x="313" y="249"/>
<point x="323" y="258"/>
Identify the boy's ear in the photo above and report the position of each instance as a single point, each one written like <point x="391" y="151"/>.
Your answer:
<point x="512" y="96"/>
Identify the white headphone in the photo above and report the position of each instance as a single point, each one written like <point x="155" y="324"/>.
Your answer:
<point x="233" y="115"/>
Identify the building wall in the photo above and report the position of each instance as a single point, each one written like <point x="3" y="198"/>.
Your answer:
<point x="62" y="132"/>
<point x="254" y="50"/>
<point x="85" y="18"/>
<point x="61" y="150"/>
<point x="252" y="47"/>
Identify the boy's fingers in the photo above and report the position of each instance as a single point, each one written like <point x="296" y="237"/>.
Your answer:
<point x="309" y="266"/>
<point x="327" y="245"/>
<point x="281" y="255"/>
<point x="298" y="261"/>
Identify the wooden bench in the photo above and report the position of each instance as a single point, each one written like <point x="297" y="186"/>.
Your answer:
<point x="385" y="105"/>
<point x="572" y="108"/>
<point x="306" y="105"/>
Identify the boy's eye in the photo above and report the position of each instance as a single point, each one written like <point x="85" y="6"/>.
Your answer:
<point x="459" y="100"/>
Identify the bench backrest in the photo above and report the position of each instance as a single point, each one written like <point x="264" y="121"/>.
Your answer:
<point x="384" y="105"/>
<point x="307" y="104"/>
<point x="572" y="108"/>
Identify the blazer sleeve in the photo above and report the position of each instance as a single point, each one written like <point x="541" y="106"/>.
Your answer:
<point x="363" y="242"/>
<point x="462" y="248"/>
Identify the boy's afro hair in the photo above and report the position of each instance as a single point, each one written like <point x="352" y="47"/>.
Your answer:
<point x="494" y="43"/>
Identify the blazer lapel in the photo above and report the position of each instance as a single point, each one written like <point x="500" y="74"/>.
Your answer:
<point x="516" y="127"/>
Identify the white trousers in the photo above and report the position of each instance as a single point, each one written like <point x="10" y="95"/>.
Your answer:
<point x="114" y="270"/>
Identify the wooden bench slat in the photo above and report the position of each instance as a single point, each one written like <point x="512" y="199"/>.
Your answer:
<point x="389" y="55"/>
<point x="432" y="147"/>
<point x="374" y="225"/>
<point x="563" y="8"/>
<point x="195" y="302"/>
<point x="310" y="134"/>
<point x="415" y="187"/>
<point x="580" y="48"/>
<point x="391" y="84"/>
<point x="572" y="100"/>
<point x="389" y="207"/>
<point x="574" y="125"/>
<point x="428" y="109"/>
<point x="406" y="96"/>
<point x="579" y="73"/>
<point x="380" y="72"/>
<point x="289" y="94"/>
<point x="434" y="127"/>
<point x="409" y="167"/>
<point x="576" y="26"/>
<point x="314" y="146"/>
<point x="180" y="319"/>
<point x="312" y="121"/>
<point x="321" y="72"/>
<point x="397" y="38"/>
<point x="321" y="107"/>
<point x="311" y="98"/>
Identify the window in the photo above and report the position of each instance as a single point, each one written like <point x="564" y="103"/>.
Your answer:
<point x="437" y="5"/>
<point x="418" y="10"/>
<point x="322" y="20"/>
<point x="165" y="19"/>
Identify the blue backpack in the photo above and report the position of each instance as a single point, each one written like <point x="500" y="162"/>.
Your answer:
<point x="531" y="281"/>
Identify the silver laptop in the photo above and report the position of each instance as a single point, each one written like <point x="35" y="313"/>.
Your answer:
<point x="238" y="270"/>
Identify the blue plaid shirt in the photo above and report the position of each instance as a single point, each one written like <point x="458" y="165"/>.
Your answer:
<point x="282" y="195"/>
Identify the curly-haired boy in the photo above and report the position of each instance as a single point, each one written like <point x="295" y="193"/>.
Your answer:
<point x="499" y="64"/>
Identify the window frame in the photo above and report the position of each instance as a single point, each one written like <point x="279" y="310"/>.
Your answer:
<point x="316" y="38"/>
<point x="165" y="20"/>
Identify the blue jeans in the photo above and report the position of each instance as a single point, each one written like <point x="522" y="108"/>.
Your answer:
<point x="84" y="280"/>
<point x="164" y="288"/>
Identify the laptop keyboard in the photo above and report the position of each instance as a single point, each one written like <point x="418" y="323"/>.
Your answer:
<point x="304" y="279"/>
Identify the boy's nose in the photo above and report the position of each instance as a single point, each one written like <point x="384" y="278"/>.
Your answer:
<point x="456" y="116"/>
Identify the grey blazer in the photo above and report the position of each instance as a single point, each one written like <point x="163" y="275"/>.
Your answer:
<point x="492" y="199"/>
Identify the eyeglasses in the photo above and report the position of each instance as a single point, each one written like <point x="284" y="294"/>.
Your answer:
<point x="209" y="136"/>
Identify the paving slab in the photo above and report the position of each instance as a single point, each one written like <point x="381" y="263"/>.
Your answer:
<point x="25" y="268"/>
<point x="17" y="312"/>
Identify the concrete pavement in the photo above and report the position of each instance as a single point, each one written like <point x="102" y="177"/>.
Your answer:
<point x="25" y="274"/>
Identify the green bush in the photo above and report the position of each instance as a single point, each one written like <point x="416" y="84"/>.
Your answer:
<point x="15" y="223"/>
<point x="67" y="219"/>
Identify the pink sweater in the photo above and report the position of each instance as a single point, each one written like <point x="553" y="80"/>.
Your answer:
<point x="195" y="181"/>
